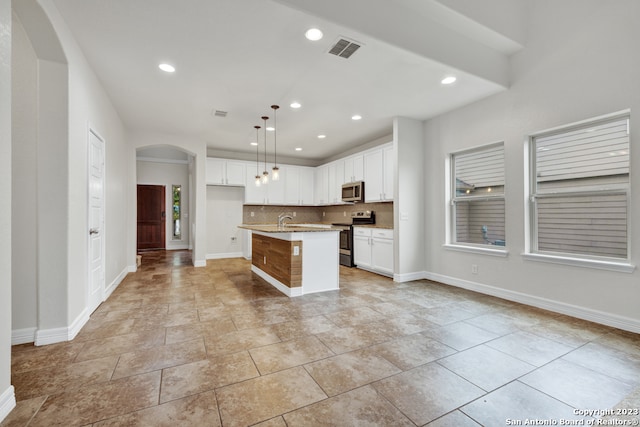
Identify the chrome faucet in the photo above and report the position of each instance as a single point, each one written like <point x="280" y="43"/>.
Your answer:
<point x="282" y="217"/>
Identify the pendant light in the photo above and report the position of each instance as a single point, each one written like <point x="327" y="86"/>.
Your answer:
<point x="275" y="174"/>
<point x="265" y="174"/>
<point x="257" y="157"/>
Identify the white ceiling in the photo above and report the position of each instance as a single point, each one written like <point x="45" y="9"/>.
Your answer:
<point x="241" y="56"/>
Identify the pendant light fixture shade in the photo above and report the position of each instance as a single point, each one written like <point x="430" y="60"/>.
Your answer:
<point x="257" y="157"/>
<point x="275" y="171"/>
<point x="265" y="174"/>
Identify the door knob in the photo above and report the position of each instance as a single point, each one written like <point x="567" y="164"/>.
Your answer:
<point x="93" y="231"/>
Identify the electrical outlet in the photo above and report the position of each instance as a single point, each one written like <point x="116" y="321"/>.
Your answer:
<point x="474" y="268"/>
<point x="323" y="213"/>
<point x="253" y="214"/>
<point x="344" y="213"/>
<point x="296" y="250"/>
<point x="294" y="214"/>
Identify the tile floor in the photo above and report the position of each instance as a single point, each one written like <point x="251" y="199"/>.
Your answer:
<point x="180" y="346"/>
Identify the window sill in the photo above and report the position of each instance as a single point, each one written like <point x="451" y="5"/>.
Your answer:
<point x="478" y="250"/>
<point x="622" y="267"/>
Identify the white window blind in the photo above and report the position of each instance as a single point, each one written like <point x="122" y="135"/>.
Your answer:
<point x="478" y="196"/>
<point x="580" y="188"/>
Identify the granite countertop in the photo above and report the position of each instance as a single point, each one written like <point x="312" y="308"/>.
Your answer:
<point x="384" y="227"/>
<point x="289" y="228"/>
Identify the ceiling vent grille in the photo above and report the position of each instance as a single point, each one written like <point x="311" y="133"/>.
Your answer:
<point x="219" y="113"/>
<point x="344" y="48"/>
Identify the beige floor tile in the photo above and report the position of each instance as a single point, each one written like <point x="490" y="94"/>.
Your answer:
<point x="45" y="381"/>
<point x="246" y="339"/>
<point x="485" y="367"/>
<point x="461" y="335"/>
<point x="23" y="412"/>
<point x="530" y="348"/>
<point x="284" y="355"/>
<point x="121" y="344"/>
<point x="193" y="331"/>
<point x="351" y="370"/>
<point x="161" y="357"/>
<point x="412" y="350"/>
<point x="517" y="402"/>
<point x="444" y="315"/>
<point x="455" y="419"/>
<point x="207" y="374"/>
<point x="618" y="364"/>
<point x="266" y="397"/>
<point x="427" y="392"/>
<point x="360" y="407"/>
<point x="353" y="316"/>
<point x="27" y="357"/>
<point x="343" y="340"/>
<point x="273" y="422"/>
<point x="100" y="401"/>
<point x="577" y="386"/>
<point x="303" y="326"/>
<point x="193" y="411"/>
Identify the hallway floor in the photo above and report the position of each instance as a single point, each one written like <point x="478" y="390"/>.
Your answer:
<point x="181" y="346"/>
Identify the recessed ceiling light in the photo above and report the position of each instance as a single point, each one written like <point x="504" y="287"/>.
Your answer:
<point x="167" y="67"/>
<point x="448" y="80"/>
<point x="254" y="143"/>
<point x="322" y="136"/>
<point x="356" y="117"/>
<point x="313" y="34"/>
<point x="295" y="104"/>
<point x="271" y="128"/>
<point x="298" y="149"/>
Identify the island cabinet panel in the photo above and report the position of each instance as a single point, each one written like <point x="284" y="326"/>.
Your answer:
<point x="278" y="258"/>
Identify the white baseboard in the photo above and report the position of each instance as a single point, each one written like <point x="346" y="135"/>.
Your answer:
<point x="225" y="255"/>
<point x="408" y="277"/>
<point x="290" y="292"/>
<point x="7" y="402"/>
<point x="200" y="263"/>
<point x="55" y="335"/>
<point x="23" y="336"/>
<point x="597" y="316"/>
<point x="116" y="282"/>
<point x="132" y="268"/>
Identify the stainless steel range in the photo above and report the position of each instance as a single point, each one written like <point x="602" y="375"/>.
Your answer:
<point x="346" y="234"/>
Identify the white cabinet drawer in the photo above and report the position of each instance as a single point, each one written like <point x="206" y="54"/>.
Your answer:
<point x="360" y="231"/>
<point x="382" y="234"/>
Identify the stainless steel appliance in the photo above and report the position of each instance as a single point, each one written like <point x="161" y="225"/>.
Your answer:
<point x="346" y="234"/>
<point x="353" y="192"/>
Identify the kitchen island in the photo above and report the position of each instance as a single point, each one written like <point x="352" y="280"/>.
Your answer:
<point x="296" y="259"/>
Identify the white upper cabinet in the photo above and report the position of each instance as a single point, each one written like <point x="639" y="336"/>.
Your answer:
<point x="321" y="185"/>
<point x="335" y="177"/>
<point x="378" y="174"/>
<point x="254" y="195"/>
<point x="388" y="171"/>
<point x="225" y="172"/>
<point x="353" y="169"/>
<point x="298" y="185"/>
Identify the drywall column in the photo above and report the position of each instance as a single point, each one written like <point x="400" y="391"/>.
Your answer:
<point x="53" y="206"/>
<point x="408" y="208"/>
<point x="7" y="396"/>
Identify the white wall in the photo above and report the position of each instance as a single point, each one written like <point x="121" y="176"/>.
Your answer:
<point x="169" y="174"/>
<point x="198" y="211"/>
<point x="224" y="214"/>
<point x="7" y="396"/>
<point x="581" y="61"/>
<point x="24" y="81"/>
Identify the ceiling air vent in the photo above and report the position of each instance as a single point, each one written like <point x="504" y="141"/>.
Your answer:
<point x="344" y="48"/>
<point x="219" y="113"/>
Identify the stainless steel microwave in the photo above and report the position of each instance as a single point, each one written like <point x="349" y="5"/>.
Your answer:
<point x="353" y="192"/>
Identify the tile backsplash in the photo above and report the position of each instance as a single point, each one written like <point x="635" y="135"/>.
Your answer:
<point x="268" y="214"/>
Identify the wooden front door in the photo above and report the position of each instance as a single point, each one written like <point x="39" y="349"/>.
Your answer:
<point x="151" y="217"/>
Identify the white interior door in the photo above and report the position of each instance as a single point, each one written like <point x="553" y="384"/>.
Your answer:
<point x="96" y="221"/>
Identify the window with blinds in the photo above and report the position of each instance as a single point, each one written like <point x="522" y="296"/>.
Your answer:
<point x="477" y="191"/>
<point x="580" y="189"/>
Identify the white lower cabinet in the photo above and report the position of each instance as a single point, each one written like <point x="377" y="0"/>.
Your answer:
<point x="373" y="249"/>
